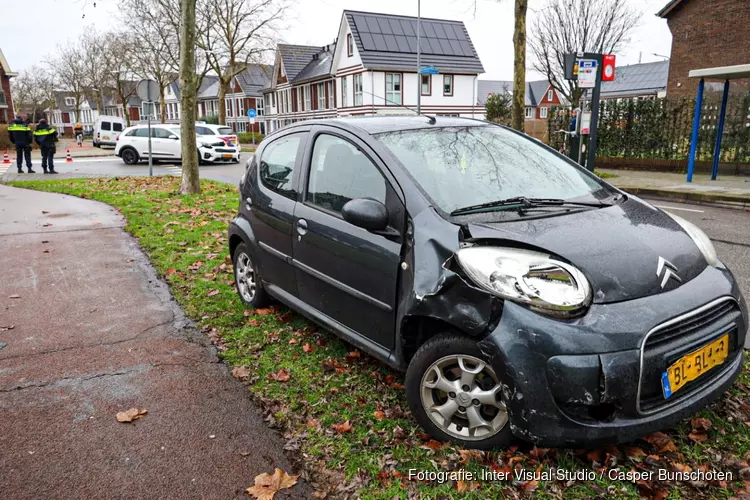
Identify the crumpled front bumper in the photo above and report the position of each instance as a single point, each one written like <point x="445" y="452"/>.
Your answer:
<point x="583" y="382"/>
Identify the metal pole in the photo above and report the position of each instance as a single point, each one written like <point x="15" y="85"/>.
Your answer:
<point x="720" y="131"/>
<point x="591" y="153"/>
<point x="419" y="56"/>
<point x="696" y="127"/>
<point x="150" y="157"/>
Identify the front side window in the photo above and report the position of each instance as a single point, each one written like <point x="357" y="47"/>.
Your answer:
<point x="393" y="88"/>
<point x="141" y="132"/>
<point x="463" y="166"/>
<point x="160" y="133"/>
<point x="426" y="84"/>
<point x="358" y="90"/>
<point x="340" y="172"/>
<point x="344" y="101"/>
<point x="277" y="164"/>
<point x="447" y="85"/>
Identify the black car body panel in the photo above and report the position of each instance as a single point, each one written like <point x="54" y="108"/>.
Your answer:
<point x="584" y="380"/>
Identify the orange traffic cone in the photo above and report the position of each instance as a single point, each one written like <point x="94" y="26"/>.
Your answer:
<point x="6" y="160"/>
<point x="68" y="159"/>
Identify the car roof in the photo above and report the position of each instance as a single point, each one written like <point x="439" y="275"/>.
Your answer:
<point x="393" y="123"/>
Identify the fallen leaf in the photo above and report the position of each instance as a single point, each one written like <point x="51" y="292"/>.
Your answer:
<point x="46" y="251"/>
<point x="130" y="415"/>
<point x="433" y="445"/>
<point x="530" y="486"/>
<point x="244" y="453"/>
<point x="350" y="357"/>
<point x="307" y="348"/>
<point x="45" y="212"/>
<point x="253" y="322"/>
<point x="213" y="293"/>
<point x="240" y="372"/>
<point x="380" y="415"/>
<point x="14" y="296"/>
<point x="281" y="375"/>
<point x="467" y="455"/>
<point x="267" y="485"/>
<point x="701" y="424"/>
<point x="264" y="311"/>
<point x="341" y="428"/>
<point x="171" y="271"/>
<point x="661" y="441"/>
<point x="634" y="453"/>
<point x="45" y="241"/>
<point x="698" y="437"/>
<point x="464" y="486"/>
<point x="293" y="340"/>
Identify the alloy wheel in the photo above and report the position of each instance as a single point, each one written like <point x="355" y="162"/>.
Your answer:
<point x="245" y="276"/>
<point x="462" y="396"/>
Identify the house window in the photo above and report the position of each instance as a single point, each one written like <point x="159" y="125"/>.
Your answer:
<point x="349" y="45"/>
<point x="228" y="106"/>
<point x="543" y="113"/>
<point x="344" y="100"/>
<point x="393" y="88"/>
<point x="321" y="96"/>
<point x="426" y="84"/>
<point x="358" y="90"/>
<point x="529" y="113"/>
<point x="299" y="99"/>
<point x="308" y="107"/>
<point x="330" y="94"/>
<point x="70" y="101"/>
<point x="550" y="95"/>
<point x="448" y="85"/>
<point x="240" y="107"/>
<point x="260" y="109"/>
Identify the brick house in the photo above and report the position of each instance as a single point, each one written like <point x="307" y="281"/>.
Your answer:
<point x="706" y="34"/>
<point x="370" y="69"/>
<point x="6" y="101"/>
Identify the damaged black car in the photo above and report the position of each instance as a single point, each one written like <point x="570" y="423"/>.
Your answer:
<point x="522" y="295"/>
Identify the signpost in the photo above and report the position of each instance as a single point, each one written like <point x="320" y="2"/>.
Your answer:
<point x="251" y="114"/>
<point x="148" y="91"/>
<point x="587" y="73"/>
<point x="428" y="70"/>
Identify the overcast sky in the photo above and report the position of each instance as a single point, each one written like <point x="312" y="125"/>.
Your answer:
<point x="32" y="29"/>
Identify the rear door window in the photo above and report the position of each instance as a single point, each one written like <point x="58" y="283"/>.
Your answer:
<point x="117" y="127"/>
<point x="106" y="126"/>
<point x="160" y="133"/>
<point x="277" y="164"/>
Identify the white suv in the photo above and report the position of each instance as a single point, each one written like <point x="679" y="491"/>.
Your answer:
<point x="223" y="132"/>
<point x="132" y="145"/>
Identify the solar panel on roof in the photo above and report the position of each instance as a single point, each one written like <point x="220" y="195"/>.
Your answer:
<point x="372" y="25"/>
<point x="428" y="30"/>
<point x="439" y="31"/>
<point x="379" y="42"/>
<point x="396" y="27"/>
<point x="385" y="26"/>
<point x="367" y="41"/>
<point x="408" y="27"/>
<point x="390" y="41"/>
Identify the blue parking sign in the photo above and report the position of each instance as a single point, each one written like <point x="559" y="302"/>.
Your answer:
<point x="251" y="113"/>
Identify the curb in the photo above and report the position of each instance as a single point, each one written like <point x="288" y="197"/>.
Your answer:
<point x="724" y="200"/>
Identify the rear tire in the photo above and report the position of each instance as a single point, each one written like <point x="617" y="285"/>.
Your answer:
<point x="247" y="279"/>
<point x="455" y="394"/>
<point x="129" y="156"/>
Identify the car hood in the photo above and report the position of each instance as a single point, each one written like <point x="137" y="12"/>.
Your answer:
<point x="618" y="248"/>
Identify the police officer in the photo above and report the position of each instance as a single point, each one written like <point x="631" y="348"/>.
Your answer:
<point x="46" y="137"/>
<point x="20" y="135"/>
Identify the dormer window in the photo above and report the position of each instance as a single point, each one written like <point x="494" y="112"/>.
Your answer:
<point x="70" y="101"/>
<point x="349" y="45"/>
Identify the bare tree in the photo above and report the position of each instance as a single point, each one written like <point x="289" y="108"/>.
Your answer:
<point x="30" y="91"/>
<point x="97" y="64"/>
<point x="70" y="72"/>
<point x="188" y="98"/>
<point x="123" y="65"/>
<point x="565" y="26"/>
<point x="242" y="33"/>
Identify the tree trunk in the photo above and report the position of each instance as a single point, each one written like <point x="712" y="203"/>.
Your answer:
<point x="519" y="65"/>
<point x="126" y="110"/>
<point x="222" y="104"/>
<point x="162" y="105"/>
<point x="188" y="100"/>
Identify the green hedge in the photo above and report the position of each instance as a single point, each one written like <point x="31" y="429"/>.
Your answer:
<point x="246" y="138"/>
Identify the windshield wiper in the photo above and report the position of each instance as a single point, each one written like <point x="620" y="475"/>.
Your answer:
<point x="523" y="202"/>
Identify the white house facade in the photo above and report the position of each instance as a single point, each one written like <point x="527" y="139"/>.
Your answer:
<point x="371" y="69"/>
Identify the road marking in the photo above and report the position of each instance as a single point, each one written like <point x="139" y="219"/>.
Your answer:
<point x="678" y="208"/>
<point x="4" y="168"/>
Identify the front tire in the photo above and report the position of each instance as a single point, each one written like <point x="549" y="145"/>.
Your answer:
<point x="129" y="156"/>
<point x="455" y="394"/>
<point x="247" y="280"/>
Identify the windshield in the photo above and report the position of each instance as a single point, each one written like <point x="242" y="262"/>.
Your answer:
<point x="463" y="166"/>
<point x="225" y="131"/>
<point x="175" y="130"/>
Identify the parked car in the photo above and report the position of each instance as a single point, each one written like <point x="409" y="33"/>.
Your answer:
<point x="132" y="146"/>
<point x="522" y="295"/>
<point x="223" y="132"/>
<point x="106" y="130"/>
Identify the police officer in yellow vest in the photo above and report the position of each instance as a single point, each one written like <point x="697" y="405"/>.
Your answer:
<point x="20" y="135"/>
<point x="46" y="137"/>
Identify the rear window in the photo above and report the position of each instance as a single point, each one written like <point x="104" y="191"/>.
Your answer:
<point x="225" y="131"/>
<point x="117" y="127"/>
<point x="106" y="126"/>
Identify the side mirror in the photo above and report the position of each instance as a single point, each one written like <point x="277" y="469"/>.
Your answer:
<point x="366" y="213"/>
<point x="174" y="137"/>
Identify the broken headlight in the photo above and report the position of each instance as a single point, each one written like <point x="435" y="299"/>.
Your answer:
<point x="547" y="285"/>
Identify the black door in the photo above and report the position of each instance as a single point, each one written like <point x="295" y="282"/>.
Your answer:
<point x="268" y="203"/>
<point x="346" y="272"/>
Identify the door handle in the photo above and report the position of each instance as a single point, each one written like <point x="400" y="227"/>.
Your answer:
<point x="301" y="226"/>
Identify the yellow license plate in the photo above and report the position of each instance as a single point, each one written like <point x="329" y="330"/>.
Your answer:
<point x="693" y="365"/>
<point x="106" y="137"/>
<point x="226" y="156"/>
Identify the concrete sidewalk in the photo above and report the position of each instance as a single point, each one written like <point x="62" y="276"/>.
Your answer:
<point x="726" y="190"/>
<point x="88" y="330"/>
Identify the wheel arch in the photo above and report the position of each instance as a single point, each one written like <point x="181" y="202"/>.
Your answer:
<point x="418" y="329"/>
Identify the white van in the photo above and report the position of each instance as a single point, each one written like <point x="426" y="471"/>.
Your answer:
<point x="107" y="129"/>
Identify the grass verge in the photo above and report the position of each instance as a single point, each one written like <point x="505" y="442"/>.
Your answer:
<point x="345" y="414"/>
<point x="604" y="175"/>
